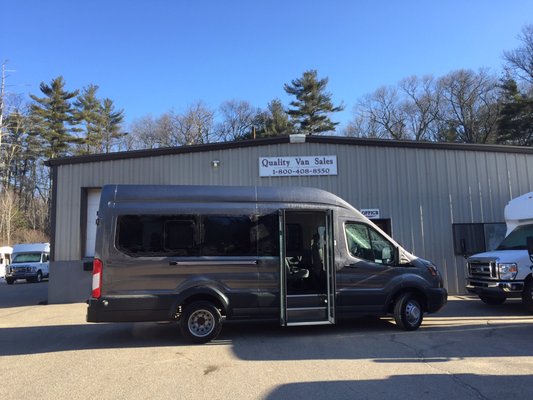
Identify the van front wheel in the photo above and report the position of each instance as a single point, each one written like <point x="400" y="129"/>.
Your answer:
<point x="408" y="312"/>
<point x="527" y="296"/>
<point x="200" y="322"/>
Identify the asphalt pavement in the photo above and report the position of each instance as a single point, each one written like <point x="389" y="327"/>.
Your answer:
<point x="467" y="351"/>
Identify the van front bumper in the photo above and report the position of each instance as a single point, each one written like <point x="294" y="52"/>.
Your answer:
<point x="507" y="289"/>
<point x="436" y="299"/>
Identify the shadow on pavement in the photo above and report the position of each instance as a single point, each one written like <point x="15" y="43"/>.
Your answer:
<point x="430" y="386"/>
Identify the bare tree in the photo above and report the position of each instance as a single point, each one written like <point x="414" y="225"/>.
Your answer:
<point x="383" y="115"/>
<point x="195" y="125"/>
<point x="238" y="118"/>
<point x="520" y="60"/>
<point x="469" y="110"/>
<point x="9" y="212"/>
<point x="144" y="134"/>
<point x="421" y="106"/>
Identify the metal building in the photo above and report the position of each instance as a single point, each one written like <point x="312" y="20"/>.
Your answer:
<point x="441" y="201"/>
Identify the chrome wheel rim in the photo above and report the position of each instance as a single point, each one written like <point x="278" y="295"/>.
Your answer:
<point x="412" y="312"/>
<point x="201" y="323"/>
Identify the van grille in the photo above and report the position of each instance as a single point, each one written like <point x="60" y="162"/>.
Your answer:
<point x="482" y="269"/>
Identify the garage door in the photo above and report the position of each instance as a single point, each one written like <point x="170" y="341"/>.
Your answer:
<point x="93" y="201"/>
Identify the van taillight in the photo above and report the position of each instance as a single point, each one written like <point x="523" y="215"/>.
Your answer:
<point x="98" y="266"/>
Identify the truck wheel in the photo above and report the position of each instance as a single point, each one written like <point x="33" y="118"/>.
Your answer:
<point x="39" y="277"/>
<point x="408" y="312"/>
<point x="527" y="296"/>
<point x="200" y="322"/>
<point x="10" y="281"/>
<point x="493" y="301"/>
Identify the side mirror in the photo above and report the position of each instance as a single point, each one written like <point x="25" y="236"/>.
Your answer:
<point x="529" y="241"/>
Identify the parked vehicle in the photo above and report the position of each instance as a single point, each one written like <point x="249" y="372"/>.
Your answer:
<point x="506" y="272"/>
<point x="5" y="259"/>
<point x="204" y="254"/>
<point x="30" y="262"/>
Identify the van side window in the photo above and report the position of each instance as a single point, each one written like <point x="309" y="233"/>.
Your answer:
<point x="366" y="243"/>
<point x="267" y="239"/>
<point x="153" y="235"/>
<point x="179" y="237"/>
<point x="189" y="235"/>
<point x="227" y="236"/>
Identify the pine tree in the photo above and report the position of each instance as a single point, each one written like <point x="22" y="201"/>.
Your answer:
<point x="276" y="120"/>
<point x="111" y="127"/>
<point x="312" y="105"/>
<point x="89" y="115"/>
<point x="54" y="118"/>
<point x="515" y="123"/>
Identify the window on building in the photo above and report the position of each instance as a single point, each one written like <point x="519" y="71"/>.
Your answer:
<point x="476" y="238"/>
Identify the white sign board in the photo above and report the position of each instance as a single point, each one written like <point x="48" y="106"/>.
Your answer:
<point x="370" y="213"/>
<point x="297" y="166"/>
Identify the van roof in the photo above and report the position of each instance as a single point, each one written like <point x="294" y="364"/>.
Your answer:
<point x="221" y="194"/>
<point x="31" y="247"/>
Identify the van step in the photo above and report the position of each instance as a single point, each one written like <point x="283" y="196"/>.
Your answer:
<point x="309" y="300"/>
<point x="309" y="314"/>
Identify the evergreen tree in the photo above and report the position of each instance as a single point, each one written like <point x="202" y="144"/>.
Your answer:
<point x="88" y="112"/>
<point x="311" y="109"/>
<point x="111" y="127"/>
<point x="54" y="119"/>
<point x="274" y="121"/>
<point x="515" y="124"/>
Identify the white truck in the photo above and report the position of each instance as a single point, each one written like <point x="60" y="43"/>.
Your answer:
<point x="5" y="259"/>
<point x="29" y="261"/>
<point x="506" y="272"/>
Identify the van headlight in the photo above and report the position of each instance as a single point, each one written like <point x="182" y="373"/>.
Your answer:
<point x="507" y="271"/>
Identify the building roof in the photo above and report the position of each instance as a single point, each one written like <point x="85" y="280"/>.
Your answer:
<point x="347" y="141"/>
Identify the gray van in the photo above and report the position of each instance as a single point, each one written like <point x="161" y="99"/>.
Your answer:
<point x="200" y="255"/>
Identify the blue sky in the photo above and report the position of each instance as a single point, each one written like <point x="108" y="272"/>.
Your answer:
<point x="153" y="56"/>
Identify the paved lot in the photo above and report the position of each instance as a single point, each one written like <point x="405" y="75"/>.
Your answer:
<point x="468" y="351"/>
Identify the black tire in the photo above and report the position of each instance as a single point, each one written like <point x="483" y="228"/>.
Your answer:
<point x="10" y="281"/>
<point x="39" y="277"/>
<point x="492" y="300"/>
<point x="408" y="312"/>
<point x="527" y="296"/>
<point x="200" y="322"/>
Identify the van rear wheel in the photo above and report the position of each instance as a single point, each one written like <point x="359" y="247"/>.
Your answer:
<point x="200" y="322"/>
<point x="408" y="312"/>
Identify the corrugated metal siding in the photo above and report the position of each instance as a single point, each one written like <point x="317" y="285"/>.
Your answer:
<point x="423" y="191"/>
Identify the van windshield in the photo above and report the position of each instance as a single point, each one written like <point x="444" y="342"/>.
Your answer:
<point x="517" y="239"/>
<point x="27" y="257"/>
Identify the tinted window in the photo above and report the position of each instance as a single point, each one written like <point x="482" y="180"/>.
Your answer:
<point x="366" y="243"/>
<point x="186" y="235"/>
<point x="227" y="236"/>
<point x="157" y="235"/>
<point x="267" y="237"/>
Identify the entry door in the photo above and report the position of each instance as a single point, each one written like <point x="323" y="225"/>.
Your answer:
<point x="307" y="272"/>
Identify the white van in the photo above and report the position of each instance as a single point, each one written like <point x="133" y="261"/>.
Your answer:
<point x="5" y="259"/>
<point x="507" y="271"/>
<point x="30" y="261"/>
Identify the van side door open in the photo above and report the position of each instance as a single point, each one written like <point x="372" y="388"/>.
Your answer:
<point x="307" y="273"/>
